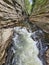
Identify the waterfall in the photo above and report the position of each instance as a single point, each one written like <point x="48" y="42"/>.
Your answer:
<point x="27" y="48"/>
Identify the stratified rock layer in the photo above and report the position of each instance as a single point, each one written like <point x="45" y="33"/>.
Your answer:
<point x="40" y="14"/>
<point x="11" y="12"/>
<point x="5" y="38"/>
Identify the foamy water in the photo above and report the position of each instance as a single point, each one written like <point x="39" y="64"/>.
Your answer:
<point x="25" y="49"/>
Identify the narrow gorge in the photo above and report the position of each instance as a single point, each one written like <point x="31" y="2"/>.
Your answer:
<point x="24" y="32"/>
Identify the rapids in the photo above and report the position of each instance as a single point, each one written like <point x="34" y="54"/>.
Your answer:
<point x="27" y="48"/>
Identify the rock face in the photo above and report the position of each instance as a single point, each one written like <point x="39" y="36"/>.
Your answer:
<point x="42" y="22"/>
<point x="11" y="12"/>
<point x="40" y="14"/>
<point x="5" y="38"/>
<point x="40" y="17"/>
<point x="47" y="57"/>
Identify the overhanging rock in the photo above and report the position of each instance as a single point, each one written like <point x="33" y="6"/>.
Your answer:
<point x="11" y="12"/>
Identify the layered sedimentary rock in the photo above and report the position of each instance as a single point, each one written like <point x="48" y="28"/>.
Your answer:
<point x="47" y="57"/>
<point x="11" y="12"/>
<point x="40" y="14"/>
<point x="5" y="38"/>
<point x="40" y="17"/>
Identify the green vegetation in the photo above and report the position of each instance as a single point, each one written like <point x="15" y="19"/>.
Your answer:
<point x="40" y="6"/>
<point x="37" y="6"/>
<point x="28" y="6"/>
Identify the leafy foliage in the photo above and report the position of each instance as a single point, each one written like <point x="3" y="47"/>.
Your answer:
<point x="28" y="6"/>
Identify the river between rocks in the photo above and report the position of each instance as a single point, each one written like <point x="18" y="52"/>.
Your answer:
<point x="27" y="48"/>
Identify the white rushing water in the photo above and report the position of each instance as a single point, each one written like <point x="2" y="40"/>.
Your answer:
<point x="24" y="48"/>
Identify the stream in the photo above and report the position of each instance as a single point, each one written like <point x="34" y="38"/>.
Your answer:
<point x="27" y="48"/>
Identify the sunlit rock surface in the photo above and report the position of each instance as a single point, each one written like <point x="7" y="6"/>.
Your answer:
<point x="11" y="12"/>
<point x="5" y="38"/>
